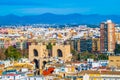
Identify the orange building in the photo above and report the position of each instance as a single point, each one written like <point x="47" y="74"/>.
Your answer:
<point x="117" y="37"/>
<point x="96" y="44"/>
<point x="107" y="37"/>
<point x="114" y="61"/>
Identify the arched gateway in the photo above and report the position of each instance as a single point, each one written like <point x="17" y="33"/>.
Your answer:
<point x="39" y="54"/>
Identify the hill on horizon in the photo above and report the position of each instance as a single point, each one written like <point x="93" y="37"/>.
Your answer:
<point x="49" y="18"/>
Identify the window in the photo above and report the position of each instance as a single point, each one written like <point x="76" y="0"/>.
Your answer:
<point x="35" y="52"/>
<point x="59" y="53"/>
<point x="117" y="60"/>
<point x="111" y="60"/>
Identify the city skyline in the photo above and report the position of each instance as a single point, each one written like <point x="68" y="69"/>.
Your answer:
<point x="35" y="7"/>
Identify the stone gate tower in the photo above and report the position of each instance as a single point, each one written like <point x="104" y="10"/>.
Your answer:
<point x="39" y="54"/>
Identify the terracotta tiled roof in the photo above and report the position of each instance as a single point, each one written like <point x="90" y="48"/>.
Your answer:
<point x="57" y="65"/>
<point x="100" y="72"/>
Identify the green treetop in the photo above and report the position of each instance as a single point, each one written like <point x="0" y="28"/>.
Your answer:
<point x="12" y="53"/>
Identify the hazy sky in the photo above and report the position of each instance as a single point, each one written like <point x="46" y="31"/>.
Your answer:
<point x="33" y="7"/>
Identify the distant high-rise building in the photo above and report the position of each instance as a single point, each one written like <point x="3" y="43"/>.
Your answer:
<point x="107" y="37"/>
<point x="75" y="44"/>
<point x="86" y="45"/>
<point x="96" y="45"/>
<point x="81" y="44"/>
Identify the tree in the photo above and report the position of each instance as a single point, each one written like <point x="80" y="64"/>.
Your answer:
<point x="49" y="47"/>
<point x="117" y="49"/>
<point x="79" y="56"/>
<point x="92" y="56"/>
<point x="73" y="52"/>
<point x="74" y="55"/>
<point x="102" y="57"/>
<point x="85" y="55"/>
<point x="12" y="53"/>
<point x="24" y="52"/>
